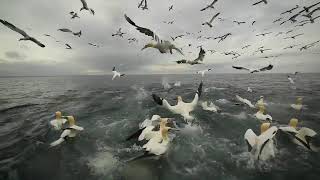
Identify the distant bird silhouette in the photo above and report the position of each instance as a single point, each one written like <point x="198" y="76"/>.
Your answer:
<point x="119" y="33"/>
<point x="68" y="46"/>
<point x="253" y="22"/>
<point x="171" y="8"/>
<point x="74" y="15"/>
<point x="200" y="57"/>
<point x="239" y="23"/>
<point x="85" y="7"/>
<point x="245" y="47"/>
<point x="293" y="37"/>
<point x="26" y="37"/>
<point x="267" y="68"/>
<point x="211" y="20"/>
<point x="223" y="37"/>
<point x="174" y="38"/>
<point x="290" y="11"/>
<point x="277" y="20"/>
<point x="262" y="1"/>
<point x="263" y="34"/>
<point x="209" y="6"/>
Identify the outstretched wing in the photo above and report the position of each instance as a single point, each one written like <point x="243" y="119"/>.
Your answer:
<point x="13" y="27"/>
<point x="240" y="68"/>
<point x="84" y="3"/>
<point x="267" y="68"/>
<point x="65" y="30"/>
<point x="143" y="30"/>
<point x="201" y="56"/>
<point x="183" y="61"/>
<point x="214" y="17"/>
<point x="250" y="138"/>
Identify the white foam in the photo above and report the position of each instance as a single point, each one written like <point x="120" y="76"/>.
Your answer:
<point x="103" y="163"/>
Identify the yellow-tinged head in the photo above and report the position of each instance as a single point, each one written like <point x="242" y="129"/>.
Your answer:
<point x="262" y="109"/>
<point x="163" y="128"/>
<point x="293" y="122"/>
<point x="264" y="127"/>
<point x="71" y="120"/>
<point x="299" y="100"/>
<point x="58" y="115"/>
<point x="148" y="46"/>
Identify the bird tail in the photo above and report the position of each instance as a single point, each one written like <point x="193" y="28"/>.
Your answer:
<point x="57" y="142"/>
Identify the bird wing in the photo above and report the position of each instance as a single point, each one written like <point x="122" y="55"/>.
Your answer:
<point x="14" y="28"/>
<point x="269" y="67"/>
<point x="143" y="30"/>
<point x="250" y="138"/>
<point x="84" y="3"/>
<point x="257" y="3"/>
<point x="37" y="42"/>
<point x="162" y="102"/>
<point x="140" y="4"/>
<point x="179" y="50"/>
<point x="197" y="95"/>
<point x="65" y="30"/>
<point x="201" y="55"/>
<point x="68" y="46"/>
<point x="183" y="61"/>
<point x="214" y="17"/>
<point x="240" y="68"/>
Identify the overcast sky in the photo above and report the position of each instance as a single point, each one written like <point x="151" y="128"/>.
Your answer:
<point x="38" y="17"/>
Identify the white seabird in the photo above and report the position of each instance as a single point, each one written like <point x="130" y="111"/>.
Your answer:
<point x="261" y="115"/>
<point x="69" y="132"/>
<point x="26" y="37"/>
<point x="300" y="136"/>
<point x="211" y="107"/>
<point x="245" y="101"/>
<point x="261" y="102"/>
<point x="262" y="146"/>
<point x="211" y="20"/>
<point x="267" y="68"/>
<point x="162" y="46"/>
<point x="146" y="124"/>
<point x="58" y="122"/>
<point x="203" y="71"/>
<point x="116" y="73"/>
<point x="181" y="108"/>
<point x="249" y="89"/>
<point x="177" y="84"/>
<point x="298" y="106"/>
<point x="85" y="7"/>
<point x="200" y="57"/>
<point x="290" y="80"/>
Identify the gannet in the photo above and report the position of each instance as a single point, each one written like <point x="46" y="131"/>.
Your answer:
<point x="298" y="106"/>
<point x="263" y="34"/>
<point x="69" y="31"/>
<point x="171" y="8"/>
<point x="179" y="36"/>
<point x="119" y="33"/>
<point x="85" y="7"/>
<point x="290" y="47"/>
<point x="116" y="73"/>
<point x="262" y="146"/>
<point x="181" y="108"/>
<point x="244" y="47"/>
<point x="293" y="37"/>
<point x="300" y="136"/>
<point x="203" y="71"/>
<point x="290" y="80"/>
<point x="211" y="107"/>
<point x="261" y="102"/>
<point x="223" y="37"/>
<point x="68" y="46"/>
<point x="239" y="22"/>
<point x="211" y="20"/>
<point x="290" y="11"/>
<point x="267" y="68"/>
<point x="147" y="123"/>
<point x="177" y="84"/>
<point x="26" y="37"/>
<point x="94" y="45"/>
<point x="209" y="6"/>
<point x="253" y="22"/>
<point x="249" y="89"/>
<point x="145" y="6"/>
<point x="309" y="15"/>
<point x="162" y="46"/>
<point x="262" y="50"/>
<point x="58" y="122"/>
<point x="262" y="1"/>
<point x="261" y="115"/>
<point x="245" y="101"/>
<point x="69" y="132"/>
<point x="74" y="15"/>
<point x="277" y="20"/>
<point x="200" y="57"/>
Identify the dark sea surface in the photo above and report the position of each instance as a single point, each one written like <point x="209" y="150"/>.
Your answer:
<point x="213" y="147"/>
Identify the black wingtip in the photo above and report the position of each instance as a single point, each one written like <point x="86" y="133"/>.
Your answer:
<point x="200" y="89"/>
<point x="157" y="99"/>
<point x="135" y="135"/>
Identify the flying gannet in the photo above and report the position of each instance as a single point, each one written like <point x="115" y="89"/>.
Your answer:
<point x="262" y="146"/>
<point x="119" y="33"/>
<point x="68" y="46"/>
<point x="162" y="46"/>
<point x="69" y="132"/>
<point x="211" y="20"/>
<point x="262" y="1"/>
<point x="26" y="37"/>
<point x="181" y="108"/>
<point x="290" y="11"/>
<point x="300" y="136"/>
<point x="267" y="68"/>
<point x="200" y="57"/>
<point x="85" y="7"/>
<point x="203" y="71"/>
<point x="116" y="73"/>
<point x="66" y="30"/>
<point x="209" y="6"/>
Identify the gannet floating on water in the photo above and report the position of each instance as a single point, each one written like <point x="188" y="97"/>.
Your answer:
<point x="298" y="106"/>
<point x="211" y="20"/>
<point x="58" y="122"/>
<point x="200" y="57"/>
<point x="262" y="146"/>
<point x="249" y="89"/>
<point x="210" y="107"/>
<point x="203" y="71"/>
<point x="245" y="101"/>
<point x="300" y="136"/>
<point x="69" y="132"/>
<point x="116" y="73"/>
<point x="162" y="46"/>
<point x="85" y="7"/>
<point x="181" y="108"/>
<point x="261" y="115"/>
<point x="267" y="68"/>
<point x="26" y="37"/>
